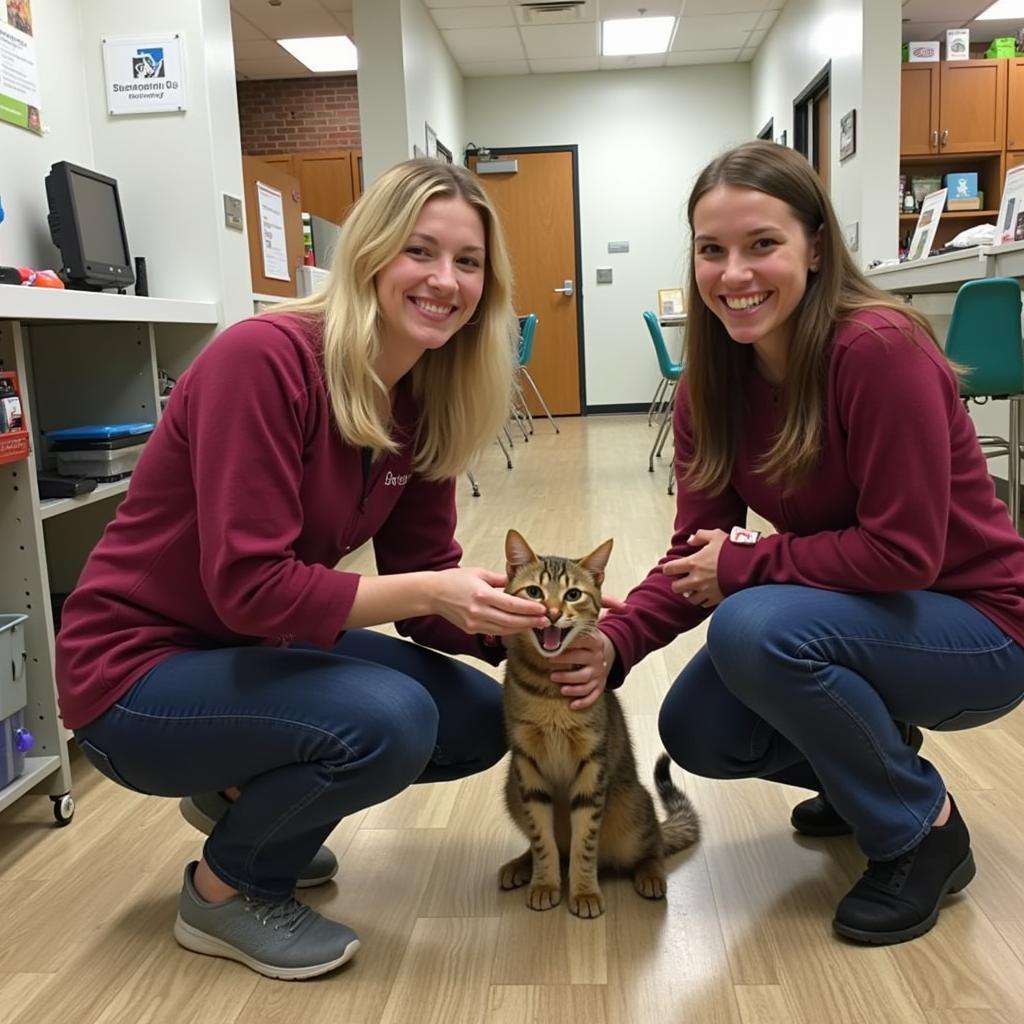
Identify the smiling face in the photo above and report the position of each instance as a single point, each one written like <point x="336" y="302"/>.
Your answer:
<point x="751" y="260"/>
<point x="432" y="287"/>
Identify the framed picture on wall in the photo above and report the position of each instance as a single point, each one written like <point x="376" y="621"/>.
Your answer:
<point x="848" y="134"/>
<point x="444" y="153"/>
<point x="431" y="139"/>
<point x="417" y="152"/>
<point x="670" y="301"/>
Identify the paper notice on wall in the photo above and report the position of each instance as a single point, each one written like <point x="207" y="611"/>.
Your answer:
<point x="1010" y="227"/>
<point x="272" y="236"/>
<point x="927" y="224"/>
<point x="19" y="72"/>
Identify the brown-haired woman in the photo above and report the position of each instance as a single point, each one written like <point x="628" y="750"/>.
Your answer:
<point x="891" y="595"/>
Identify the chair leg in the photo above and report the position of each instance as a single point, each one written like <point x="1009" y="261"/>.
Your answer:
<point x="520" y="422"/>
<point x="1013" y="463"/>
<point x="504" y="450"/>
<point x="519" y="401"/>
<point x="476" y="486"/>
<point x="663" y="427"/>
<point x="658" y="391"/>
<point x="540" y="398"/>
<point x="508" y="435"/>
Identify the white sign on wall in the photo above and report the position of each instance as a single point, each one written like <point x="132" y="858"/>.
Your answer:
<point x="144" y="76"/>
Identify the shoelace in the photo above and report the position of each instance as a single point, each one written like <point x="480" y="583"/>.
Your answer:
<point x="891" y="873"/>
<point x="288" y="914"/>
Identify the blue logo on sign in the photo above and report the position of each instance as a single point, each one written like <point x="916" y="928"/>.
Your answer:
<point x="148" y="62"/>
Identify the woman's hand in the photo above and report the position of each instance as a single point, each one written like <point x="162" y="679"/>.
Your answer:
<point x="698" y="573"/>
<point x="582" y="670"/>
<point x="472" y="599"/>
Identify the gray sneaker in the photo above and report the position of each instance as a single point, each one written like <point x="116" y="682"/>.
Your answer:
<point x="286" y="940"/>
<point x="206" y="809"/>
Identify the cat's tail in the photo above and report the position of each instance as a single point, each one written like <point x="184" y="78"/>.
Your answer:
<point x="681" y="827"/>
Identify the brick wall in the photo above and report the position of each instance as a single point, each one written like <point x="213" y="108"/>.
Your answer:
<point x="290" y="114"/>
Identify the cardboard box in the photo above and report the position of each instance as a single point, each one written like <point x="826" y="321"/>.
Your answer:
<point x="958" y="44"/>
<point x="962" y="185"/>
<point x="964" y="204"/>
<point x="13" y="435"/>
<point x="923" y="50"/>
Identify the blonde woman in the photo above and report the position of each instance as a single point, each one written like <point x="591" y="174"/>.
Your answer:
<point x="891" y="595"/>
<point x="212" y="651"/>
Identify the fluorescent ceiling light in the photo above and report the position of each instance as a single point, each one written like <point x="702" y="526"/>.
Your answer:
<point x="625" y="37"/>
<point x="1002" y="9"/>
<point x="323" y="53"/>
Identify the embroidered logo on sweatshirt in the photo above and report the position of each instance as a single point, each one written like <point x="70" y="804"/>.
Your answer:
<point x="390" y="480"/>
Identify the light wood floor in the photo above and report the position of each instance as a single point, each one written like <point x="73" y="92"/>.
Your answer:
<point x="744" y="936"/>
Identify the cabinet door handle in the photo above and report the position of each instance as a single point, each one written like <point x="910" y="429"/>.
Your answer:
<point x="945" y="136"/>
<point x="935" y="138"/>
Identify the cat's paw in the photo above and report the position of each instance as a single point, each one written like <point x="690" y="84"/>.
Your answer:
<point x="650" y="882"/>
<point x="544" y="897"/>
<point x="516" y="873"/>
<point x="586" y="904"/>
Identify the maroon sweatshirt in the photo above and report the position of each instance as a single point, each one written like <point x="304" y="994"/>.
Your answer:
<point x="244" y="499"/>
<point x="901" y="498"/>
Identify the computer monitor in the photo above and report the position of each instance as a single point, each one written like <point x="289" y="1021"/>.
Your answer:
<point x="87" y="225"/>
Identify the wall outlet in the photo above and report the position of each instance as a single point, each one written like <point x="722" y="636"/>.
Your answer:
<point x="851" y="232"/>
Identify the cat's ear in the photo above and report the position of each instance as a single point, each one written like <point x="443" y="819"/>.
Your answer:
<point x="517" y="551"/>
<point x="596" y="562"/>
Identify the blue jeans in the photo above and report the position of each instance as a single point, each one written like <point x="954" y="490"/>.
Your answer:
<point x="309" y="736"/>
<point x="804" y="686"/>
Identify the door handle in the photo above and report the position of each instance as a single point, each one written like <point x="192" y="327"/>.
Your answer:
<point x="566" y="289"/>
<point x="935" y="138"/>
<point x="945" y="136"/>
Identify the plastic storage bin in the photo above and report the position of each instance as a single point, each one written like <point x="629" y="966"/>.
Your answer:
<point x="14" y="739"/>
<point x="100" y="465"/>
<point x="15" y="742"/>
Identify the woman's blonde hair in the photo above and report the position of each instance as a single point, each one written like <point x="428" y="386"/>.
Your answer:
<point x="716" y="365"/>
<point x="463" y="389"/>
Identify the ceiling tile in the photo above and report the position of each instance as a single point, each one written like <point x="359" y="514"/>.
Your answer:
<point x="279" y="67"/>
<point x="927" y="30"/>
<point x="610" y="9"/>
<point x="755" y="39"/>
<point x="642" y="60"/>
<point x="263" y="49"/>
<point x="473" y="17"/>
<point x="767" y="19"/>
<point x="338" y="6"/>
<point x="498" y="67"/>
<point x="554" y="65"/>
<point x="465" y="3"/>
<point x="695" y="7"/>
<point x="242" y="30"/>
<point x="478" y="44"/>
<point x="714" y="32"/>
<point x="746" y="55"/>
<point x="944" y="10"/>
<point x="297" y="16"/>
<point x="702" y="57"/>
<point x="561" y="41"/>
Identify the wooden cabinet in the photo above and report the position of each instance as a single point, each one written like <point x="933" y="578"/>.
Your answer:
<point x="1015" y="104"/>
<point x="953" y="107"/>
<point x="330" y="180"/>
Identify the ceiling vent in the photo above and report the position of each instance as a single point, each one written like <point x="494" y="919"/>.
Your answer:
<point x="552" y="12"/>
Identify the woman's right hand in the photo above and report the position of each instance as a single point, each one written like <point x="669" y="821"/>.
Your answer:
<point x="472" y="599"/>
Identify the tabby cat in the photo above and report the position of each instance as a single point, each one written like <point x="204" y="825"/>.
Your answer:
<point x="572" y="784"/>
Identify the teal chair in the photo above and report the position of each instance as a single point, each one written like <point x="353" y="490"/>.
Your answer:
<point x="666" y="391"/>
<point x="985" y="337"/>
<point x="527" y="330"/>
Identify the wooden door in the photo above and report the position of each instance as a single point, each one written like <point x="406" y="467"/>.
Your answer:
<point x="537" y="210"/>
<point x="972" y="106"/>
<point x="1015" y="104"/>
<point x="326" y="179"/>
<point x="254" y="170"/>
<point x="919" y="109"/>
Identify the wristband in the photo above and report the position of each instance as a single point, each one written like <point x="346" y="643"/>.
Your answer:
<point x="741" y="535"/>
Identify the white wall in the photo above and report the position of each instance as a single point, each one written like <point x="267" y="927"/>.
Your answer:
<point x="25" y="158"/>
<point x="433" y="82"/>
<point x="171" y="168"/>
<point x="643" y="137"/>
<point x="862" y="40"/>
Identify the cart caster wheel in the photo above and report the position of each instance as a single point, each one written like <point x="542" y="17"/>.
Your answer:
<point x="63" y="808"/>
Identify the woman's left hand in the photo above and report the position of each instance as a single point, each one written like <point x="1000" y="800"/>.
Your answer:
<point x="698" y="573"/>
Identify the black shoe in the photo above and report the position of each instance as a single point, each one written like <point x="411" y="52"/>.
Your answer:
<point x="815" y="816"/>
<point x="899" y="899"/>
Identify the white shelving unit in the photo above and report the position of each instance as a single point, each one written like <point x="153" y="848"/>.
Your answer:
<point x="80" y="358"/>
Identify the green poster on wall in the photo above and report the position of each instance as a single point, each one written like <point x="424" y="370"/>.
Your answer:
<point x="19" y="72"/>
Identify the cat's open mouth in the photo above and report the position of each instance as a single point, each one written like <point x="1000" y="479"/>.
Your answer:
<point x="551" y="638"/>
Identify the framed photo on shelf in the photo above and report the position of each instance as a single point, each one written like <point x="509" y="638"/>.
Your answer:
<point x="847" y="134"/>
<point x="670" y="301"/>
<point x="431" y="139"/>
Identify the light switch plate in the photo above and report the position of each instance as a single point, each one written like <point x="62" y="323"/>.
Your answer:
<point x="233" y="212"/>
